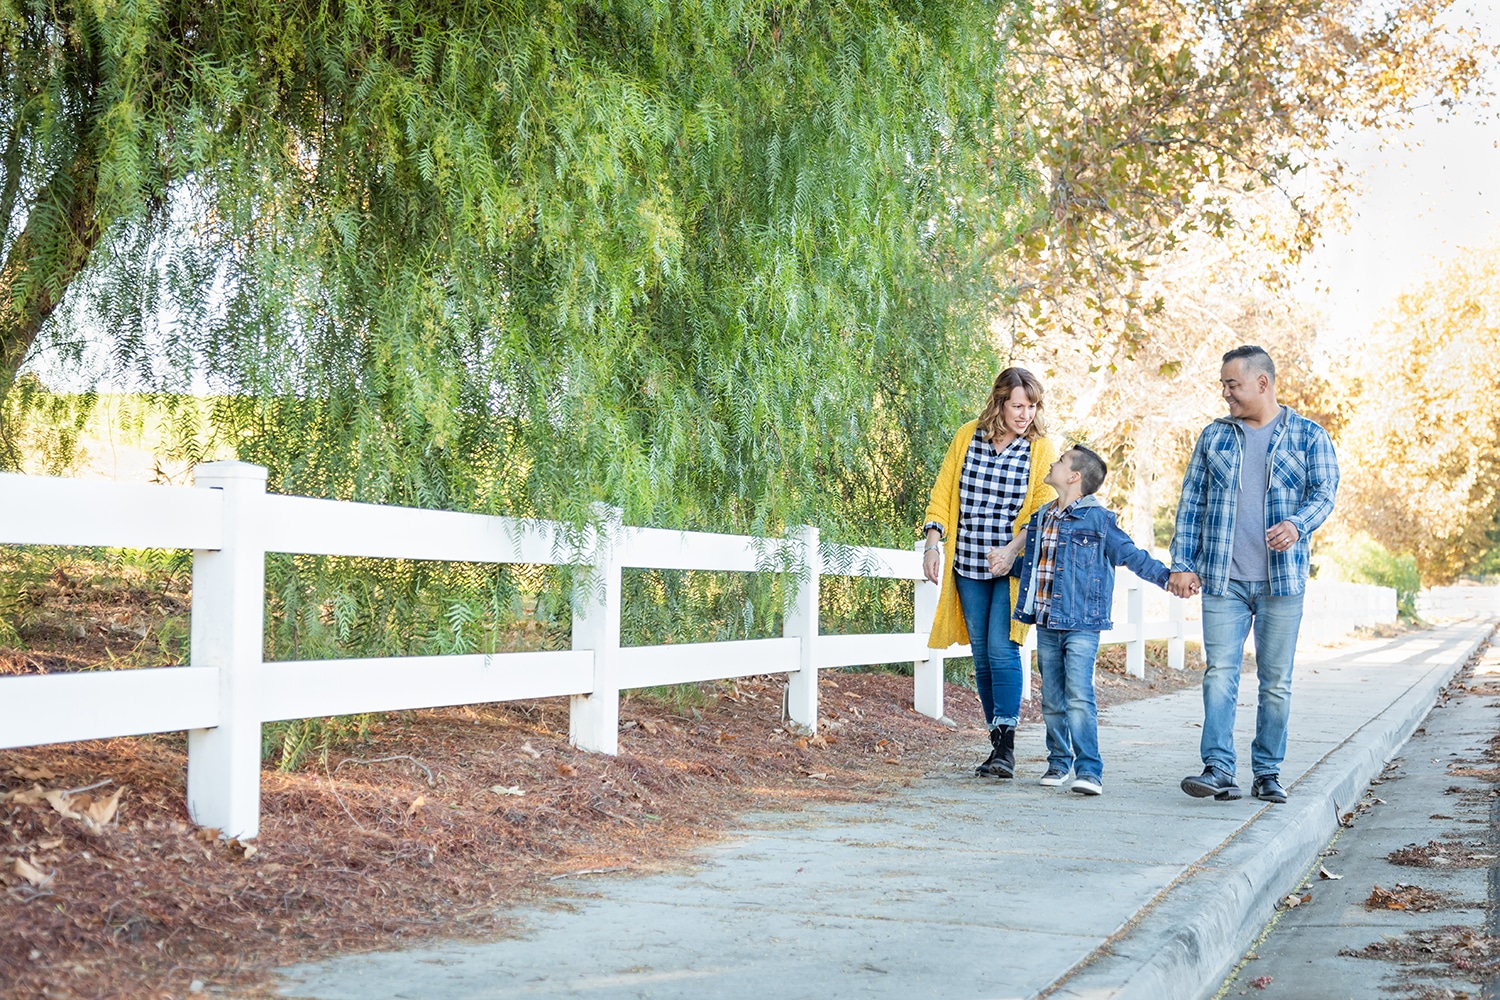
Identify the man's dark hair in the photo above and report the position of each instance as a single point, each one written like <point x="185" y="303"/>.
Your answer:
<point x="1088" y="464"/>
<point x="1255" y="358"/>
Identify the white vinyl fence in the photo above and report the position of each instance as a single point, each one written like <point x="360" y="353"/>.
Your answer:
<point x="224" y="695"/>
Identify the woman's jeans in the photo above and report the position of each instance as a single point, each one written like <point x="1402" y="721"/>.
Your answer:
<point x="997" y="660"/>
<point x="1067" y="660"/>
<point x="1227" y="620"/>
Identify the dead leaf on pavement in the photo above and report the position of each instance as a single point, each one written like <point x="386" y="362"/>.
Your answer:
<point x="1407" y="897"/>
<point x="1325" y="873"/>
<point x="1261" y="982"/>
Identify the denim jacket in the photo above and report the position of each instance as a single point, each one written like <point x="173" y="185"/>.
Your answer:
<point x="1089" y="547"/>
<point x="1302" y="475"/>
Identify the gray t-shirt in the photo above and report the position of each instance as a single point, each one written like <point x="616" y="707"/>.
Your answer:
<point x="1250" y="560"/>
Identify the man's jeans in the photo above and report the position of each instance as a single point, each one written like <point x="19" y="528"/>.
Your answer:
<point x="1227" y="620"/>
<point x="997" y="660"/>
<point x="1067" y="661"/>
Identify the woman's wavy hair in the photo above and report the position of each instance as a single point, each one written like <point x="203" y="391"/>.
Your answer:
<point x="991" y="418"/>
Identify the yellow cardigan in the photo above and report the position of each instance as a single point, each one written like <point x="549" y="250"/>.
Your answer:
<point x="948" y="626"/>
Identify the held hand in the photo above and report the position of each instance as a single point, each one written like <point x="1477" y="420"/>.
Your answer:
<point x="1184" y="584"/>
<point x="1000" y="560"/>
<point x="932" y="565"/>
<point x="1282" y="536"/>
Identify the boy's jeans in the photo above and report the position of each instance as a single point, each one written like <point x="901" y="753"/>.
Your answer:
<point x="997" y="661"/>
<point x="1227" y="620"/>
<point x="1067" y="661"/>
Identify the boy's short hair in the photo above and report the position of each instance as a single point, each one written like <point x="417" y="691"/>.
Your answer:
<point x="1087" y="463"/>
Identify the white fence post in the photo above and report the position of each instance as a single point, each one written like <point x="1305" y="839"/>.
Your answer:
<point x="1176" y="644"/>
<point x="594" y="718"/>
<point x="1135" y="614"/>
<point x="228" y="632"/>
<point x="801" y="622"/>
<point x="927" y="675"/>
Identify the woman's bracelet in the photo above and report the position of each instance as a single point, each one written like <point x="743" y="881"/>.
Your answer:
<point x="932" y="548"/>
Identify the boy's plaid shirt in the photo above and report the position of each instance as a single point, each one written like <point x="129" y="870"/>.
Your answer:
<point x="1302" y="476"/>
<point x="1046" y="561"/>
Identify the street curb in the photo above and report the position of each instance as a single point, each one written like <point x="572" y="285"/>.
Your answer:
<point x="1186" y="941"/>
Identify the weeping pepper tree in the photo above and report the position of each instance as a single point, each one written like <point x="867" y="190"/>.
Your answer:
<point x="713" y="263"/>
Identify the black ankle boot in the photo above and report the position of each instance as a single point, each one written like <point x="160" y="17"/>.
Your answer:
<point x="1002" y="759"/>
<point x="989" y="761"/>
<point x="1005" y="765"/>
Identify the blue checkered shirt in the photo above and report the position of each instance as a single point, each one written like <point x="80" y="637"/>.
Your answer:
<point x="1302" y="475"/>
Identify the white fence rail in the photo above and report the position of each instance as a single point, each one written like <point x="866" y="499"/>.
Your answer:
<point x="227" y="692"/>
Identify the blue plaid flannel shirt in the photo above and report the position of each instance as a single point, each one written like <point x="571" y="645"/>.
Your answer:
<point x="1302" y="476"/>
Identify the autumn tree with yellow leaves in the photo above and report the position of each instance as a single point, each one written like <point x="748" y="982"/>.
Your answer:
<point x="1421" y="443"/>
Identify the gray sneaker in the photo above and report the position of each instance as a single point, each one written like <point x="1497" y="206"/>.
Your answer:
<point x="1088" y="785"/>
<point x="1054" y="777"/>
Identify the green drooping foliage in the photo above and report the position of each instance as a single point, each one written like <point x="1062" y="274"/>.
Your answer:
<point x="711" y="262"/>
<point x="715" y="263"/>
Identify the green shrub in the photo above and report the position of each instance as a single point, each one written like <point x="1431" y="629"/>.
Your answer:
<point x="1367" y="561"/>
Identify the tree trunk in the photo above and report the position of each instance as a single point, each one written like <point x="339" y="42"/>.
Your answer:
<point x="62" y="229"/>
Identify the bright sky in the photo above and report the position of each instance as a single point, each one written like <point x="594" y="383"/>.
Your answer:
<point x="1424" y="198"/>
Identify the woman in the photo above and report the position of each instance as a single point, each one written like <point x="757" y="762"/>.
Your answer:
<point x="990" y="482"/>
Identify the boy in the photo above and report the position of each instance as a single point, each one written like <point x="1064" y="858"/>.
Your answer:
<point x="1072" y="546"/>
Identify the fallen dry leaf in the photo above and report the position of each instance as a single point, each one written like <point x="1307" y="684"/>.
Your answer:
<point x="50" y="844"/>
<point x="1261" y="982"/>
<point x="207" y="834"/>
<point x="530" y="750"/>
<point x="243" y="850"/>
<point x="26" y="796"/>
<point x="507" y="790"/>
<point x="566" y="770"/>
<point x="416" y="804"/>
<point x="33" y="773"/>
<point x="63" y="803"/>
<point x="649" y="726"/>
<point x="101" y="811"/>
<point x="1325" y="873"/>
<point x="32" y="874"/>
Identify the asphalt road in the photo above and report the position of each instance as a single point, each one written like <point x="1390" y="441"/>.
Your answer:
<point x="1443" y="789"/>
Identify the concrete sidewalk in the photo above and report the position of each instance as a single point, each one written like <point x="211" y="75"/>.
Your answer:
<point x="960" y="887"/>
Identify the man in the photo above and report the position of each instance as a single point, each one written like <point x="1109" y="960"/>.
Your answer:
<point x="1259" y="483"/>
